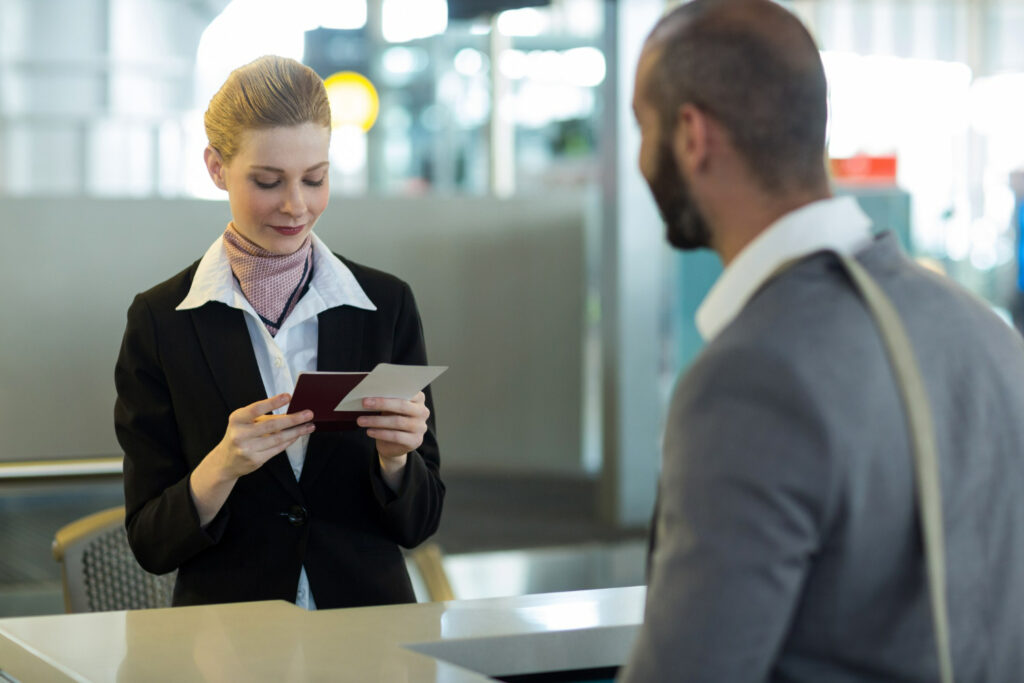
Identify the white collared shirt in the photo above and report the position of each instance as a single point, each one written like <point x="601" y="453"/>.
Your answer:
<point x="294" y="349"/>
<point x="837" y="223"/>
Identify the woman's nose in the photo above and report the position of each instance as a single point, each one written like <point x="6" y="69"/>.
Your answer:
<point x="294" y="204"/>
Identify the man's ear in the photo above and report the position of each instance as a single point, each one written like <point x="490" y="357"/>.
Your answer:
<point x="691" y="138"/>
<point x="215" y="165"/>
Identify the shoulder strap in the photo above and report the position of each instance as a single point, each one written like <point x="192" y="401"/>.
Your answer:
<point x="922" y="438"/>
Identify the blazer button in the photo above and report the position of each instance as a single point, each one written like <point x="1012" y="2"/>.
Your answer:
<point x="297" y="515"/>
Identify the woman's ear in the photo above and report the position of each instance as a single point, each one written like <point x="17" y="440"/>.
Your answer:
<point x="215" y="165"/>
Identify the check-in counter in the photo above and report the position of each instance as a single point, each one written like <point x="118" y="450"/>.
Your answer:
<point x="457" y="641"/>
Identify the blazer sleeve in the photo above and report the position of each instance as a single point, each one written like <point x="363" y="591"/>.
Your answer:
<point x="413" y="513"/>
<point x="160" y="516"/>
<point x="742" y="502"/>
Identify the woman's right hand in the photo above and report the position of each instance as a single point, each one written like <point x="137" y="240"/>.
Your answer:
<point x="253" y="437"/>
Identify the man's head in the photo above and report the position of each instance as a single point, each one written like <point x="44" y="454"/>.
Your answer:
<point x="750" y="70"/>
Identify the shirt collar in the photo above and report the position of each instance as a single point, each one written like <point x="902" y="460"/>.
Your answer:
<point x="333" y="284"/>
<point x="837" y="223"/>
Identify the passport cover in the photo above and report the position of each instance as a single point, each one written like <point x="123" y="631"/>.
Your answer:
<point x="321" y="392"/>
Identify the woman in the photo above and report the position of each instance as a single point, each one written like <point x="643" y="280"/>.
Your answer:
<point x="246" y="502"/>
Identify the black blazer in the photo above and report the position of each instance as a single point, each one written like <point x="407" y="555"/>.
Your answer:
<point x="180" y="374"/>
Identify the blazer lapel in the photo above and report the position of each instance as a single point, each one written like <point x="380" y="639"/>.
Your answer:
<point x="340" y="348"/>
<point x="228" y="349"/>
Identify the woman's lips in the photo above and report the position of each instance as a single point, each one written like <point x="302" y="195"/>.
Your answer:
<point x="288" y="229"/>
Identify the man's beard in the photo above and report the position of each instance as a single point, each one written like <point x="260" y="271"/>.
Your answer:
<point x="685" y="227"/>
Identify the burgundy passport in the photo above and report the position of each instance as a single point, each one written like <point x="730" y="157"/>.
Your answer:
<point x="321" y="392"/>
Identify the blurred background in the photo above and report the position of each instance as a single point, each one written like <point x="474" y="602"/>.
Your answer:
<point x="484" y="151"/>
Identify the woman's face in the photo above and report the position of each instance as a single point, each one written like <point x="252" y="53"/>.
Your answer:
<point x="277" y="183"/>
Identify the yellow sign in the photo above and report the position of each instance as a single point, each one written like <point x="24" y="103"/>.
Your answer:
<point x="354" y="100"/>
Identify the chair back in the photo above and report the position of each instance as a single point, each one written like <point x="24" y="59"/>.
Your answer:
<point x="99" y="571"/>
<point x="428" y="561"/>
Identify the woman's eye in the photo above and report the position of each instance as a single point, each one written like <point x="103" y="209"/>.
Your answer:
<point x="265" y="184"/>
<point x="314" y="183"/>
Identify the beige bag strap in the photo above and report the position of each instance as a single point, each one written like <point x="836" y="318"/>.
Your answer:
<point x="922" y="437"/>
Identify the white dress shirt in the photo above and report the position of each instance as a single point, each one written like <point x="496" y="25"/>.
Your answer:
<point x="837" y="224"/>
<point x="294" y="349"/>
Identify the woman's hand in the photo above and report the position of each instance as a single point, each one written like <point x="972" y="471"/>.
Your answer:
<point x="398" y="430"/>
<point x="253" y="436"/>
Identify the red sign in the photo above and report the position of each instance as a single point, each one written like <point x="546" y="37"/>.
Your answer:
<point x="864" y="169"/>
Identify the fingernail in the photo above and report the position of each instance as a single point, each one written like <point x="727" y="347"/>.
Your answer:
<point x="369" y="402"/>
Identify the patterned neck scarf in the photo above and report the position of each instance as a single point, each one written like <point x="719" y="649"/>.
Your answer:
<point x="273" y="283"/>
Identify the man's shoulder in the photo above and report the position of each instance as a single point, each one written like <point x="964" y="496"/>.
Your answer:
<point x="801" y="314"/>
<point x="809" y="323"/>
<point x="806" y="329"/>
<point x="813" y="310"/>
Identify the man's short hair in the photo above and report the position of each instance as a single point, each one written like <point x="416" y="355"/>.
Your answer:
<point x="752" y="66"/>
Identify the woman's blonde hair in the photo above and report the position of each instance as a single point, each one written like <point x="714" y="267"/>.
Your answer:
<point x="270" y="91"/>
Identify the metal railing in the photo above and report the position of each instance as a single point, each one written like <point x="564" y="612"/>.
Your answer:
<point x="63" y="470"/>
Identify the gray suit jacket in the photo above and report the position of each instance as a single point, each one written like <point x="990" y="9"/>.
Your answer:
<point x="787" y="544"/>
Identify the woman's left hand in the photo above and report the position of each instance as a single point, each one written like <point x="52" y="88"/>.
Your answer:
<point x="399" y="428"/>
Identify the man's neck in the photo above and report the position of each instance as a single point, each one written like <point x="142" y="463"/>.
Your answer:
<point x="740" y="223"/>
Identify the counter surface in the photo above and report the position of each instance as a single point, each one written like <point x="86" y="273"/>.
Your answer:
<point x="457" y="641"/>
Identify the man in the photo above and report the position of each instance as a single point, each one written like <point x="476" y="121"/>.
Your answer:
<point x="787" y="545"/>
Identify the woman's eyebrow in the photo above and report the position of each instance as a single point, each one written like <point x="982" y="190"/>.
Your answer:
<point x="274" y="169"/>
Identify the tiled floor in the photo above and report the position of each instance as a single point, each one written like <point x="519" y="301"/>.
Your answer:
<point x="484" y="515"/>
<point x="29" y="518"/>
<point x="500" y="512"/>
